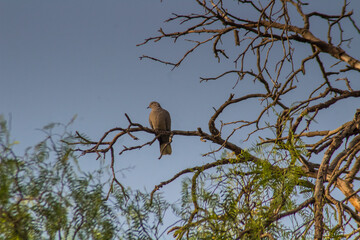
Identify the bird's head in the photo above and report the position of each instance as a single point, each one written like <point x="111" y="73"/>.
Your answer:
<point x="153" y="105"/>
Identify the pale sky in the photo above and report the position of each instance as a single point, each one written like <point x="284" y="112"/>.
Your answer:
<point x="61" y="58"/>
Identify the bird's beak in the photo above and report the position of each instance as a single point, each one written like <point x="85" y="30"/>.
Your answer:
<point x="148" y="107"/>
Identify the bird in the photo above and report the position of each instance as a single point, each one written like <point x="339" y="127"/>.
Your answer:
<point x="159" y="119"/>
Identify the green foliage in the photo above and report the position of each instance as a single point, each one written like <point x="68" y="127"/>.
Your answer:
<point x="241" y="200"/>
<point x="144" y="217"/>
<point x="42" y="197"/>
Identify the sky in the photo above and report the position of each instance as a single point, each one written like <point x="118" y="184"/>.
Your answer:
<point x="64" y="58"/>
<point x="79" y="57"/>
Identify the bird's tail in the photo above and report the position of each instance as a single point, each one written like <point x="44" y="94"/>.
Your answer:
<point x="165" y="147"/>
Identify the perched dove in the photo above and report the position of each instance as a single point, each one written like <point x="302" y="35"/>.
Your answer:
<point x="159" y="119"/>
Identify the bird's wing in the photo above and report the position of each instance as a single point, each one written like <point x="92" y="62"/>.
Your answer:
<point x="160" y="119"/>
<point x="167" y="120"/>
<point x="151" y="119"/>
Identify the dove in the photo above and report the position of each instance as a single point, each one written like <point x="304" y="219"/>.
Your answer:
<point x="159" y="119"/>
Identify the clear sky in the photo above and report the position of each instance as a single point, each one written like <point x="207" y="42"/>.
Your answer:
<point x="61" y="58"/>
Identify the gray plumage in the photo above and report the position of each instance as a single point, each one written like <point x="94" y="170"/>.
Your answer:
<point x="159" y="119"/>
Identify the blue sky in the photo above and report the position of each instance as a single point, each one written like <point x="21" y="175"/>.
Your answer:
<point x="61" y="58"/>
